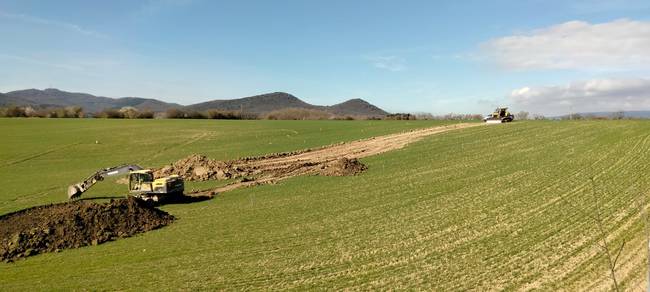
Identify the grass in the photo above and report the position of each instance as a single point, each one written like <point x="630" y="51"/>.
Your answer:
<point x="487" y="208"/>
<point x="39" y="158"/>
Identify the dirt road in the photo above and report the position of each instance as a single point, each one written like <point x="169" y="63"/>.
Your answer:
<point x="334" y="160"/>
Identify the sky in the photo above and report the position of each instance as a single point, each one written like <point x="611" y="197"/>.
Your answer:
<point x="541" y="56"/>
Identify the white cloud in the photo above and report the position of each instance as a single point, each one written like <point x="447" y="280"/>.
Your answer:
<point x="585" y="96"/>
<point x="617" y="45"/>
<point x="48" y="22"/>
<point x="390" y="63"/>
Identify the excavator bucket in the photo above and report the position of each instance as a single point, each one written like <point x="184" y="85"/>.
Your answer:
<point x="74" y="192"/>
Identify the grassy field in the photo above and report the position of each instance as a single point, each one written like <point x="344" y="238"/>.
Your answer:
<point x="504" y="207"/>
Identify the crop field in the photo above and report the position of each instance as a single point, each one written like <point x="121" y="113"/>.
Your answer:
<point x="503" y="207"/>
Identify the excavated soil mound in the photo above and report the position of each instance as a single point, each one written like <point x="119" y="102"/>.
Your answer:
<point x="198" y="168"/>
<point x="70" y="225"/>
<point x="335" y="160"/>
<point x="343" y="167"/>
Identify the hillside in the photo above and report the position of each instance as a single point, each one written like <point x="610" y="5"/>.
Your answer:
<point x="258" y="104"/>
<point x="356" y="107"/>
<point x="6" y="100"/>
<point x="265" y="103"/>
<point x="55" y="97"/>
<point x="90" y="103"/>
<point x="145" y="103"/>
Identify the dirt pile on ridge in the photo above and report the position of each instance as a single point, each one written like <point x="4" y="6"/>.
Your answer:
<point x="199" y="168"/>
<point x="343" y="167"/>
<point x="69" y="225"/>
<point x="334" y="160"/>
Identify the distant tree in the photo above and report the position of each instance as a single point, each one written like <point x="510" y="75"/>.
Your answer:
<point x="400" y="116"/>
<point x="110" y="114"/>
<point x="298" y="114"/>
<point x="224" y="115"/>
<point x="195" y="115"/>
<point x="146" y="114"/>
<point x="573" y="116"/>
<point x="522" y="115"/>
<point x="129" y="112"/>
<point x="14" y="112"/>
<point x="348" y="118"/>
<point x="74" y="112"/>
<point x="539" y="117"/>
<point x="174" y="113"/>
<point x="29" y="111"/>
<point x="619" y="115"/>
<point x="424" y="116"/>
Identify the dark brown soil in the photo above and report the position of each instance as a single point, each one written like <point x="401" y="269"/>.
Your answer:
<point x="75" y="224"/>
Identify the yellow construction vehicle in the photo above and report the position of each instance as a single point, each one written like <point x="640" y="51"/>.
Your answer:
<point x="141" y="183"/>
<point x="500" y="115"/>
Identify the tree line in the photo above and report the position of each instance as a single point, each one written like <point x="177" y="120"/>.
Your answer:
<point x="283" y="114"/>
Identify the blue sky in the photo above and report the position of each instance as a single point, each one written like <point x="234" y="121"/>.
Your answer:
<point x="547" y="57"/>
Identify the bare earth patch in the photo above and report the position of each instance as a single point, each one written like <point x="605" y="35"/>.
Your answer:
<point x="79" y="223"/>
<point x="334" y="160"/>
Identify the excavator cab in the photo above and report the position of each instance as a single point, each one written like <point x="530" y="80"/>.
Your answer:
<point x="141" y="180"/>
<point x="143" y="185"/>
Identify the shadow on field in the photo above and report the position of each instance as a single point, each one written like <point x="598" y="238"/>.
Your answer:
<point x="186" y="199"/>
<point x="95" y="198"/>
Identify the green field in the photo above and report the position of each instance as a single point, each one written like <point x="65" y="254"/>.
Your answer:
<point x="504" y="207"/>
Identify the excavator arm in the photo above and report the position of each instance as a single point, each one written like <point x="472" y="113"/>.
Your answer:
<point x="75" y="190"/>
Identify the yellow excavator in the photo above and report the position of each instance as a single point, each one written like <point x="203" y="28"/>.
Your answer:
<point x="141" y="183"/>
<point x="500" y="115"/>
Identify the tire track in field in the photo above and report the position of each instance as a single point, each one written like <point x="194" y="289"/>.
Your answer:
<point x="551" y="266"/>
<point x="585" y="251"/>
<point x="579" y="172"/>
<point x="37" y="155"/>
<point x="195" y="138"/>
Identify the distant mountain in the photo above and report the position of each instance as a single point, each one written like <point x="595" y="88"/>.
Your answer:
<point x="145" y="103"/>
<point x="258" y="104"/>
<point x="628" y="114"/>
<point x="265" y="103"/>
<point x="90" y="103"/>
<point x="356" y="106"/>
<point x="7" y="100"/>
